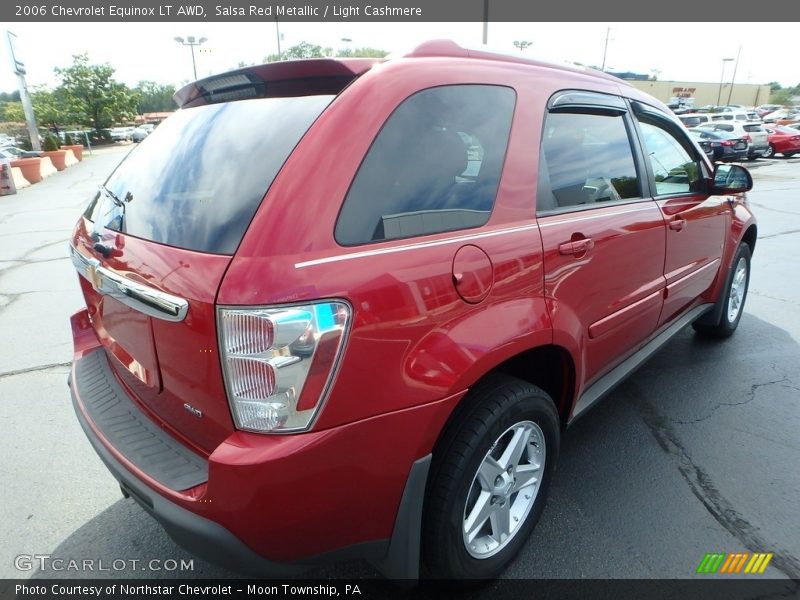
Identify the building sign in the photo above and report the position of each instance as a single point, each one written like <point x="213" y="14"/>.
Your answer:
<point x="683" y="92"/>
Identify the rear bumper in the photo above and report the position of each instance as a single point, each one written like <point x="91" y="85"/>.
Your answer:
<point x="268" y="504"/>
<point x="198" y="535"/>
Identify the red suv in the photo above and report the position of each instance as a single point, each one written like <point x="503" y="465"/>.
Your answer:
<point x="344" y="308"/>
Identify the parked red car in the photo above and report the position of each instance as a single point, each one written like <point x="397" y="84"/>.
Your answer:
<point x="782" y="140"/>
<point x="344" y="308"/>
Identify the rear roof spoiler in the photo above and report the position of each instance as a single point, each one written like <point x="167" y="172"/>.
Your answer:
<point x="278" y="79"/>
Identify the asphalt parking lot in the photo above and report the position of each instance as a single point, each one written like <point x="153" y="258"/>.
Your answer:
<point x="698" y="452"/>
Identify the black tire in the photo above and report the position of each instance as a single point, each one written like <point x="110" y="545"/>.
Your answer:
<point x="494" y="406"/>
<point x="728" y="325"/>
<point x="769" y="152"/>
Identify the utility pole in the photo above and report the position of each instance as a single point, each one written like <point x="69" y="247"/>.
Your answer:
<point x="735" y="66"/>
<point x="605" y="49"/>
<point x="721" y="78"/>
<point x="19" y="69"/>
<point x="278" y="37"/>
<point x="485" y="22"/>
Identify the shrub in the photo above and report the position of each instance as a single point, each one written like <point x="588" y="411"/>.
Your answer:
<point x="50" y="144"/>
<point x="68" y="141"/>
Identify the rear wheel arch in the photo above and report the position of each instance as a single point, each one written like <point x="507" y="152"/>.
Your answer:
<point x="548" y="367"/>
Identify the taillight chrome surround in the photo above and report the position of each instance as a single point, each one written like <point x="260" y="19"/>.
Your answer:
<point x="279" y="361"/>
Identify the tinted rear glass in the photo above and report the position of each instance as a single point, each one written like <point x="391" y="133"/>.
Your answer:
<point x="197" y="180"/>
<point x="435" y="166"/>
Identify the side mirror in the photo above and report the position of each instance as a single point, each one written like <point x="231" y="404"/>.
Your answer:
<point x="731" y="179"/>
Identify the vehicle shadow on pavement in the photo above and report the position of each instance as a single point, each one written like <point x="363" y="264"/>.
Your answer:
<point x="646" y="484"/>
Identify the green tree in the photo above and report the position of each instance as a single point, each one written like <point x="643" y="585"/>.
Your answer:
<point x="92" y="94"/>
<point x="12" y="112"/>
<point x="365" y="52"/>
<point x="301" y="50"/>
<point x="154" y="97"/>
<point x="50" y="108"/>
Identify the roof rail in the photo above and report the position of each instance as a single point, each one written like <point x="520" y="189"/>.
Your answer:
<point x="448" y="48"/>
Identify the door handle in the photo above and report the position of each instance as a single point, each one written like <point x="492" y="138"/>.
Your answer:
<point x="580" y="246"/>
<point x="677" y="224"/>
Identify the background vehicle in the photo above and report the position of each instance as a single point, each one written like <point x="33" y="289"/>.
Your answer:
<point x="694" y="119"/>
<point x="374" y="354"/>
<point x="765" y="109"/>
<point x="121" y="134"/>
<point x="727" y="146"/>
<point x="782" y="140"/>
<point x="13" y="153"/>
<point x="704" y="143"/>
<point x="138" y="134"/>
<point x="753" y="133"/>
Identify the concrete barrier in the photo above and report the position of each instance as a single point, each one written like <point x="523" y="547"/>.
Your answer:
<point x="19" y="180"/>
<point x="47" y="167"/>
<point x="69" y="158"/>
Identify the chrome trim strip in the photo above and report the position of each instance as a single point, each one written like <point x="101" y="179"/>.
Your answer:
<point x="416" y="246"/>
<point x="650" y="206"/>
<point x="138" y="296"/>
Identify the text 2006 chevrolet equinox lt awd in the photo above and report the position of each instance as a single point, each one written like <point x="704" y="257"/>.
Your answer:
<point x="344" y="308"/>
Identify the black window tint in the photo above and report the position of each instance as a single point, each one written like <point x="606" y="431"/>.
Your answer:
<point x="435" y="166"/>
<point x="589" y="159"/>
<point x="675" y="169"/>
<point x="197" y="180"/>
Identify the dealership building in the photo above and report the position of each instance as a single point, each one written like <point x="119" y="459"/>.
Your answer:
<point x="703" y="93"/>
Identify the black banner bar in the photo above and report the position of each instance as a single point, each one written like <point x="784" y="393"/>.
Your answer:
<point x="701" y="588"/>
<point x="379" y="10"/>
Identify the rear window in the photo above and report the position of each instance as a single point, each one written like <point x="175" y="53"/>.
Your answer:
<point x="753" y="128"/>
<point x="197" y="180"/>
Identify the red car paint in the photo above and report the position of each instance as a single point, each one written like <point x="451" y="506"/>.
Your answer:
<point x="784" y="140"/>
<point x="432" y="315"/>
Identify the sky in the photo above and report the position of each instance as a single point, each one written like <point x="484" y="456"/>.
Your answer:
<point x="691" y="52"/>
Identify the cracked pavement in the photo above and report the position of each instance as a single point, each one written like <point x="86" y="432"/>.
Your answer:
<point x="697" y="452"/>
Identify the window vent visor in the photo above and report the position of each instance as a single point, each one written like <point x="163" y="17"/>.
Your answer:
<point x="278" y="362"/>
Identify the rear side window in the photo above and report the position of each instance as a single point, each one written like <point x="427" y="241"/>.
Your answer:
<point x="589" y="160"/>
<point x="198" y="179"/>
<point x="434" y="166"/>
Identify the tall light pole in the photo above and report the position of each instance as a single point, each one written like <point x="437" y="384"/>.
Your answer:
<point x="721" y="77"/>
<point x="19" y="69"/>
<point x="191" y="41"/>
<point x="605" y="49"/>
<point x="522" y="44"/>
<point x="278" y="38"/>
<point x="733" y="78"/>
<point x="485" y="22"/>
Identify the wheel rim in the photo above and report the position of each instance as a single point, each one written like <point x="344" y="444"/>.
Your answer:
<point x="504" y="489"/>
<point x="768" y="152"/>
<point x="738" y="287"/>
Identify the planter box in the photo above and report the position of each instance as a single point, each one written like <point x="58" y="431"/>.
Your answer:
<point x="31" y="168"/>
<point x="58" y="158"/>
<point x="77" y="150"/>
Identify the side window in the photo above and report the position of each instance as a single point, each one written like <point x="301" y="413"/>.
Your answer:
<point x="675" y="169"/>
<point x="434" y="166"/>
<point x="589" y="160"/>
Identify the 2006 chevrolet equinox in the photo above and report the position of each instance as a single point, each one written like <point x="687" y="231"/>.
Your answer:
<point x="344" y="308"/>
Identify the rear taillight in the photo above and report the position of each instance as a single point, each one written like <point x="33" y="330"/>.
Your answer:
<point x="728" y="143"/>
<point x="278" y="362"/>
<point x="747" y="139"/>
